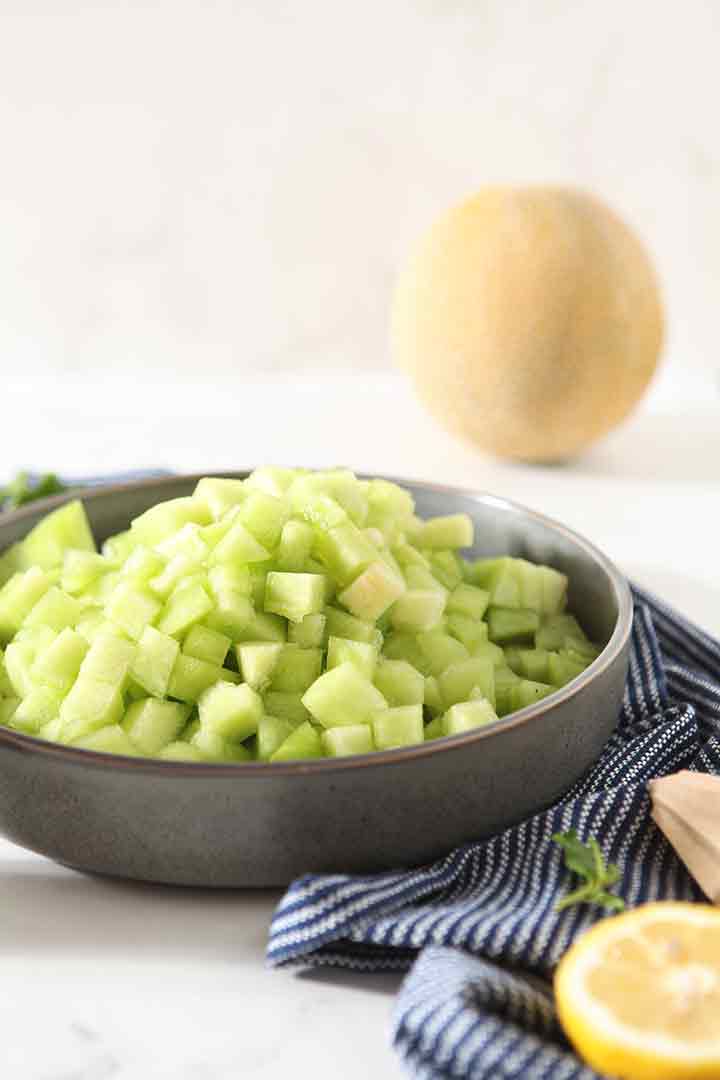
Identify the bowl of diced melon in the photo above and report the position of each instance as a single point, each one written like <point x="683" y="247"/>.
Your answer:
<point x="232" y="680"/>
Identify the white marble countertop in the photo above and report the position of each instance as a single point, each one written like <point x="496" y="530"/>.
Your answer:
<point x="103" y="979"/>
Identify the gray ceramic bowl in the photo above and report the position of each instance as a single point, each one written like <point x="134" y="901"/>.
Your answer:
<point x="256" y="824"/>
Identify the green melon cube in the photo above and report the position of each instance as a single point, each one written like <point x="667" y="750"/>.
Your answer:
<point x="526" y="692"/>
<point x="132" y="609"/>
<point x="154" y="661"/>
<point x="468" y="600"/>
<point x="264" y="516"/>
<point x="187" y="605"/>
<point x="257" y="660"/>
<point x="271" y="734"/>
<point x="294" y="595"/>
<point x="118" y="548"/>
<point x="214" y="747"/>
<point x="343" y="741"/>
<point x="8" y="707"/>
<point x="440" y="650"/>
<point x="18" y="597"/>
<point x="554" y="586"/>
<point x="309" y="633"/>
<point x="238" y="547"/>
<point x="294" y="547"/>
<point x="68" y="527"/>
<point x="529" y="581"/>
<point x="274" y="479"/>
<point x="152" y="724"/>
<point x="360" y="653"/>
<point x="228" y="579"/>
<point x="404" y="646"/>
<point x="39" y="707"/>
<point x="80" y="569"/>
<point x="220" y="494"/>
<point x="341" y="624"/>
<point x="457" y="681"/>
<point x="55" y="609"/>
<point x="372" y="592"/>
<point x="143" y="564"/>
<point x="51" y="731"/>
<point x="296" y="669"/>
<point x="432" y="698"/>
<point x="343" y="696"/>
<point x="489" y="651"/>
<point x="108" y="660"/>
<point x="234" y="616"/>
<point x="467" y="715"/>
<point x="207" y="644"/>
<point x="107" y="740"/>
<point x="90" y="705"/>
<point x="554" y="629"/>
<point x="406" y="555"/>
<point x="6" y="687"/>
<point x="191" y="677"/>
<point x="18" y="660"/>
<point x="40" y="637"/>
<point x="12" y="561"/>
<point x="166" y="518"/>
<point x="505" y="679"/>
<point x="58" y="666"/>
<point x="172" y="575"/>
<point x="418" y="577"/>
<point x="345" y="551"/>
<point x="435" y="729"/>
<point x="469" y="631"/>
<point x="499" y="578"/>
<point x="561" y="669"/>
<point x="303" y="742"/>
<point x="512" y="625"/>
<point x="233" y="712"/>
<point x="261" y="626"/>
<point x="320" y="510"/>
<point x="418" y="610"/>
<point x="447" y="568"/>
<point x="400" y="683"/>
<point x="530" y="663"/>
<point x="285" y="706"/>
<point x="180" y="751"/>
<point x="187" y="541"/>
<point x="395" y="727"/>
<point x="450" y="531"/>
<point x="93" y="623"/>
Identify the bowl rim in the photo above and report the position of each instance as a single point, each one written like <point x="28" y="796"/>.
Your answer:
<point x="264" y="769"/>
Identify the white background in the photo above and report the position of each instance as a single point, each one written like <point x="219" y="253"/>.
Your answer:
<point x="231" y="185"/>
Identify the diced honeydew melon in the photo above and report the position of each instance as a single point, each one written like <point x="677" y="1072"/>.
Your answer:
<point x="432" y="698"/>
<point x="93" y="623"/>
<point x="399" y="682"/>
<point x="420" y="577"/>
<point x="554" y="629"/>
<point x="341" y="485"/>
<point x="235" y="617"/>
<point x="374" y="536"/>
<point x="6" y="687"/>
<point x="18" y="596"/>
<point x="341" y="624"/>
<point x="561" y="669"/>
<point x="449" y="531"/>
<point x="418" y="609"/>
<point x="401" y="645"/>
<point x="108" y="660"/>
<point x="466" y="715"/>
<point x="18" y="660"/>
<point x="51" y="731"/>
<point x="264" y="516"/>
<point x="39" y="707"/>
<point x="187" y="605"/>
<point x="180" y="751"/>
<point x="212" y="534"/>
<point x="261" y="626"/>
<point x="406" y="556"/>
<point x="214" y="747"/>
<point x="360" y="653"/>
<point x="219" y="493"/>
<point x="274" y="479"/>
<point x="489" y="651"/>
<point x="116" y="549"/>
<point x="471" y="632"/>
<point x="343" y="696"/>
<point x="447" y="568"/>
<point x="554" y="586"/>
<point x="344" y="550"/>
<point x="505" y="679"/>
<point x="511" y="625"/>
<point x="55" y="609"/>
<point x="12" y="561"/>
<point x="285" y="706"/>
<point x="187" y="541"/>
<point x="457" y="682"/>
<point x="166" y="518"/>
<point x="207" y="644"/>
<point x="190" y="677"/>
<point x="527" y="692"/>
<point x="233" y="712"/>
<point x="468" y="600"/>
<point x="152" y="724"/>
<point x="303" y="742"/>
<point x="154" y="661"/>
<point x="132" y="609"/>
<point x="238" y="546"/>
<point x="39" y="637"/>
<point x="295" y="545"/>
<point x="142" y="565"/>
<point x="107" y="740"/>
<point x="435" y="729"/>
<point x="310" y="632"/>
<point x="257" y="660"/>
<point x="229" y="579"/>
<point x="529" y="663"/>
<point x="343" y="741"/>
<point x="440" y="650"/>
<point x="579" y="649"/>
<point x="322" y="511"/>
<point x="58" y="665"/>
<point x="68" y="527"/>
<point x="80" y="569"/>
<point x="90" y="705"/>
<point x="296" y="669"/>
<point x="401" y="726"/>
<point x="294" y="595"/>
<point x="172" y="575"/>
<point x="386" y="500"/>
<point x="373" y="591"/>
<point x="271" y="734"/>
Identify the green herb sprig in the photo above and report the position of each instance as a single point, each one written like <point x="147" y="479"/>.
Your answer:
<point x="22" y="490"/>
<point x="586" y="860"/>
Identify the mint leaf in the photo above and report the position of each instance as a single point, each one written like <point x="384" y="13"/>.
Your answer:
<point x="587" y="861"/>
<point x="22" y="490"/>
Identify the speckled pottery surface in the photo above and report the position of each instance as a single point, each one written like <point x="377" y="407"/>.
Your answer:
<point x="256" y="824"/>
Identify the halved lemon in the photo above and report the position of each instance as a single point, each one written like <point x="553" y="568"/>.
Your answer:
<point x="639" y="993"/>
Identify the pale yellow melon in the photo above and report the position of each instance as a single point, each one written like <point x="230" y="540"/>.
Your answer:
<point x="530" y="320"/>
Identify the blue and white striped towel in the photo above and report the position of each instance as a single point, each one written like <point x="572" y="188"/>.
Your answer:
<point x="478" y="929"/>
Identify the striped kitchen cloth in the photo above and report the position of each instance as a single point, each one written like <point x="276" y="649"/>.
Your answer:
<point x="478" y="929"/>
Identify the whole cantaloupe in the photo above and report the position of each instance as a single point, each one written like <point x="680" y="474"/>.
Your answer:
<point x="530" y="320"/>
